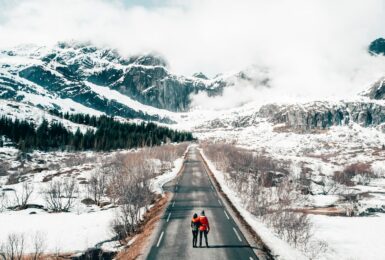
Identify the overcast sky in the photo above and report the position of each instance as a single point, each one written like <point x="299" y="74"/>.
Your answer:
<point x="312" y="47"/>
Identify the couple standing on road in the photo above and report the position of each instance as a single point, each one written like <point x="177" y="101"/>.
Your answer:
<point x="200" y="224"/>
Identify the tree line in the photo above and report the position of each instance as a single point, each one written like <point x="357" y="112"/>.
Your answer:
<point x="109" y="134"/>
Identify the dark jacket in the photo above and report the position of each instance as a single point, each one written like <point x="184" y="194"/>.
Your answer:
<point x="195" y="224"/>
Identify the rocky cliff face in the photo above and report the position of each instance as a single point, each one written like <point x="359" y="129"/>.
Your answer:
<point x="67" y="70"/>
<point x="377" y="90"/>
<point x="321" y="115"/>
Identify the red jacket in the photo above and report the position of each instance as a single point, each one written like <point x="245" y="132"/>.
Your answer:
<point x="204" y="223"/>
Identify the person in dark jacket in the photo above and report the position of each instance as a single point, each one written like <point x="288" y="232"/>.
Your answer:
<point x="195" y="224"/>
<point x="204" y="228"/>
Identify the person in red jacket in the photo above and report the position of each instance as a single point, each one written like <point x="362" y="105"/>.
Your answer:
<point x="195" y="224"/>
<point x="204" y="228"/>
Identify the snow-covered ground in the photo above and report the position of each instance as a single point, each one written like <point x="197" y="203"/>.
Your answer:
<point x="352" y="237"/>
<point x="83" y="226"/>
<point x="62" y="232"/>
<point x="346" y="237"/>
<point x="21" y="111"/>
<point x="279" y="248"/>
<point x="322" y="153"/>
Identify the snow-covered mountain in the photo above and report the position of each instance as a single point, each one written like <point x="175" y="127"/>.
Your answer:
<point x="83" y="78"/>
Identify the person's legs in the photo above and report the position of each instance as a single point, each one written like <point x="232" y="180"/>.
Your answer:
<point x="207" y="242"/>
<point x="195" y="238"/>
<point x="200" y="237"/>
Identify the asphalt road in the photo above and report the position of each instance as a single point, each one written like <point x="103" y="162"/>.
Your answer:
<point x="193" y="193"/>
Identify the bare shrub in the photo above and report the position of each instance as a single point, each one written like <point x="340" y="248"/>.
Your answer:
<point x="60" y="194"/>
<point x="362" y="170"/>
<point x="329" y="185"/>
<point x="133" y="196"/>
<point x="315" y="249"/>
<point x="22" y="197"/>
<point x="293" y="227"/>
<point x="265" y="187"/>
<point x="97" y="184"/>
<point x="129" y="183"/>
<point x="38" y="245"/>
<point x="14" y="246"/>
<point x="343" y="178"/>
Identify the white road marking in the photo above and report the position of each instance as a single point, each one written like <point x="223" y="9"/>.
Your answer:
<point x="227" y="216"/>
<point x="250" y="258"/>
<point x="173" y="204"/>
<point x="220" y="203"/>
<point x="160" y="239"/>
<point x="236" y="233"/>
<point x="168" y="218"/>
<point x="212" y="188"/>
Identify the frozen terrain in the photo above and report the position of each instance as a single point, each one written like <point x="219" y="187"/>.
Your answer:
<point x="320" y="153"/>
<point x="84" y="225"/>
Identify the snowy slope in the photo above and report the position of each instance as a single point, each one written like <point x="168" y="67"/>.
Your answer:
<point x="21" y="111"/>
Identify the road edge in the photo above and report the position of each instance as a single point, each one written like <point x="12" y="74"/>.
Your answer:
<point x="261" y="250"/>
<point x="146" y="248"/>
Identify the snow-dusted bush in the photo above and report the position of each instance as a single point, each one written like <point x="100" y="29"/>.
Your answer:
<point x="359" y="173"/>
<point x="97" y="184"/>
<point x="38" y="244"/>
<point x="22" y="197"/>
<point x="293" y="227"/>
<point x="266" y="187"/>
<point x="129" y="183"/>
<point x="378" y="168"/>
<point x="14" y="246"/>
<point x="60" y="194"/>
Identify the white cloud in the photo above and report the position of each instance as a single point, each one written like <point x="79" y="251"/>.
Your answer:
<point x="312" y="47"/>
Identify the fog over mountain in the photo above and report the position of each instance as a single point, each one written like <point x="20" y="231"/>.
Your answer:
<point x="311" y="49"/>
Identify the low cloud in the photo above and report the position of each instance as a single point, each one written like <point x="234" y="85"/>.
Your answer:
<point x="312" y="48"/>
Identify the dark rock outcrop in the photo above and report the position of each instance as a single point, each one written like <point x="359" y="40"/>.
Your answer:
<point x="377" y="47"/>
<point x="322" y="115"/>
<point x="66" y="69"/>
<point x="377" y="90"/>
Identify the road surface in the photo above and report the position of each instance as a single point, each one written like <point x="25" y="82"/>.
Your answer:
<point x="193" y="192"/>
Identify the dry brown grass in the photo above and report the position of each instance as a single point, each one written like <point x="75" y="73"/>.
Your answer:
<point x="51" y="176"/>
<point x="329" y="211"/>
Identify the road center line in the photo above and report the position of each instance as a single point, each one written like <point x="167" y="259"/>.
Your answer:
<point x="173" y="204"/>
<point x="160" y="239"/>
<point x="236" y="233"/>
<point x="220" y="203"/>
<point x="227" y="216"/>
<point x="168" y="218"/>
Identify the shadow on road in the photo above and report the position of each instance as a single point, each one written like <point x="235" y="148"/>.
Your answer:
<point x="230" y="246"/>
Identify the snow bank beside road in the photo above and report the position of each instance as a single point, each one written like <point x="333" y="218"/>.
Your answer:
<point x="70" y="232"/>
<point x="278" y="247"/>
<point x="157" y="183"/>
